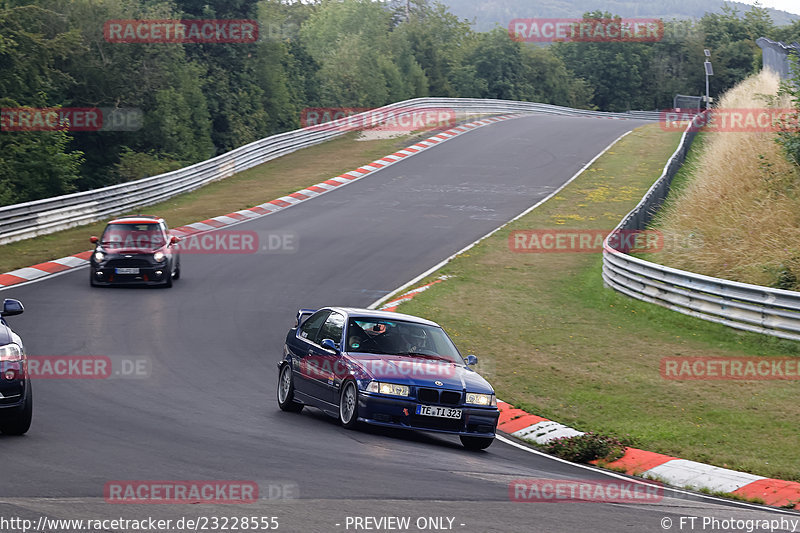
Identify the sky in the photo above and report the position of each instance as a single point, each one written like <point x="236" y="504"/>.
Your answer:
<point x="792" y="6"/>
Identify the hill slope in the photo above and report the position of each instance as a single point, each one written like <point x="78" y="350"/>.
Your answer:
<point x="488" y="13"/>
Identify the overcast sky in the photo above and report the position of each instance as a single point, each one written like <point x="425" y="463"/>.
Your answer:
<point x="792" y="6"/>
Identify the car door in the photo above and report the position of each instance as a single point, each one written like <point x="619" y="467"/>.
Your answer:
<point x="327" y="361"/>
<point x="301" y="354"/>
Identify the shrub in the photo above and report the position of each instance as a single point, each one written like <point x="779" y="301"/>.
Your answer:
<point x="587" y="447"/>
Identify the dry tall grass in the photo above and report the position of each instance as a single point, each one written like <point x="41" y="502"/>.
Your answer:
<point x="738" y="217"/>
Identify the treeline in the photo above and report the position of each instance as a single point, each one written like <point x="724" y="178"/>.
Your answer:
<point x="199" y="100"/>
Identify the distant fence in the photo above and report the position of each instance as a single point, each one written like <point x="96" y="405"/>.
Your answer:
<point x="777" y="56"/>
<point x="22" y="221"/>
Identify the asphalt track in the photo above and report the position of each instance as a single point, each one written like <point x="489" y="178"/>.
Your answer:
<point x="207" y="410"/>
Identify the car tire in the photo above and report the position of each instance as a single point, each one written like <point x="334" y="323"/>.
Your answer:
<point x="177" y="274"/>
<point x="19" y="422"/>
<point x="286" y="391"/>
<point x="91" y="278"/>
<point x="348" y="405"/>
<point x="168" y="282"/>
<point x="476" y="443"/>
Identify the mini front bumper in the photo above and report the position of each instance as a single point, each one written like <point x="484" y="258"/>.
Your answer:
<point x="400" y="413"/>
<point x="151" y="275"/>
<point x="13" y="393"/>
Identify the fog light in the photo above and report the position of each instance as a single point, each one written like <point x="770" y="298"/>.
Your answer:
<point x="158" y="273"/>
<point x="10" y="374"/>
<point x="99" y="274"/>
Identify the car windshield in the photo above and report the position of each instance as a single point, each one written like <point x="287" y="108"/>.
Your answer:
<point x="144" y="236"/>
<point x="398" y="337"/>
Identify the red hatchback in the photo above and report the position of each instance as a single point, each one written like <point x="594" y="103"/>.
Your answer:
<point x="135" y="250"/>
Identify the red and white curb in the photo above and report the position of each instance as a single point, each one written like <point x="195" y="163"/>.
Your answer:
<point x="671" y="470"/>
<point x="41" y="270"/>
<point x="56" y="266"/>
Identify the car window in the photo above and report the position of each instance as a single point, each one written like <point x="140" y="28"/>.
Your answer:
<point x="332" y="329"/>
<point x="379" y="336"/>
<point x="133" y="236"/>
<point x="311" y="327"/>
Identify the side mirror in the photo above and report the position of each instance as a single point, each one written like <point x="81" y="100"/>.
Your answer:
<point x="93" y="239"/>
<point x="174" y="240"/>
<point x="12" y="307"/>
<point x="472" y="360"/>
<point x="328" y="344"/>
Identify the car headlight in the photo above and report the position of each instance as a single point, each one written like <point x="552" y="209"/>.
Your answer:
<point x="158" y="257"/>
<point x="388" y="388"/>
<point x="99" y="256"/>
<point x="481" y="399"/>
<point x="10" y="352"/>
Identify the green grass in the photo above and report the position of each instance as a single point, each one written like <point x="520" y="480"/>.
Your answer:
<point x="254" y="186"/>
<point x="554" y="341"/>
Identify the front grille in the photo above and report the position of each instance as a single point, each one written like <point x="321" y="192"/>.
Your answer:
<point x="445" y="397"/>
<point x="428" y="395"/>
<point x="129" y="263"/>
<point x="450" y="397"/>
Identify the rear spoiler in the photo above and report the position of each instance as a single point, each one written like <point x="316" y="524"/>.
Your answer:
<point x="302" y="316"/>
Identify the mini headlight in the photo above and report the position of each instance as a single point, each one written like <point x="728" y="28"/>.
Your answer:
<point x="388" y="388"/>
<point x="481" y="399"/>
<point x="99" y="256"/>
<point x="10" y="352"/>
<point x="158" y="257"/>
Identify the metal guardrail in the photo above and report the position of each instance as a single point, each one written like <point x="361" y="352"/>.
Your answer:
<point x="22" y="221"/>
<point x="743" y="306"/>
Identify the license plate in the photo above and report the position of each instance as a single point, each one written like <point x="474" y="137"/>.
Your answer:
<point x="126" y="270"/>
<point x="441" y="412"/>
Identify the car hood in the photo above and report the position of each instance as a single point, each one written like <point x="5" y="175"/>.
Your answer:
<point x="419" y="372"/>
<point x="131" y="251"/>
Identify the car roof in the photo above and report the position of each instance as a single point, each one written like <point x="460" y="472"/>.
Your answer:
<point x="137" y="219"/>
<point x="385" y="315"/>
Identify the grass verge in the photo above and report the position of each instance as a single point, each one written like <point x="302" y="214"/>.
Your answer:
<point x="554" y="341"/>
<point x="254" y="186"/>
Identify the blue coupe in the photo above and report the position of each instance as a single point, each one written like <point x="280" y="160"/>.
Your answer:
<point x="386" y="369"/>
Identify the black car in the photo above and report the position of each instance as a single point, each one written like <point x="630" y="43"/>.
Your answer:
<point x="385" y="369"/>
<point x="135" y="250"/>
<point x="16" y="395"/>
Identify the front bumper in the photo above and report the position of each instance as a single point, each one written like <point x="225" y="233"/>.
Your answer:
<point x="12" y="392"/>
<point x="400" y="413"/>
<point x="150" y="275"/>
